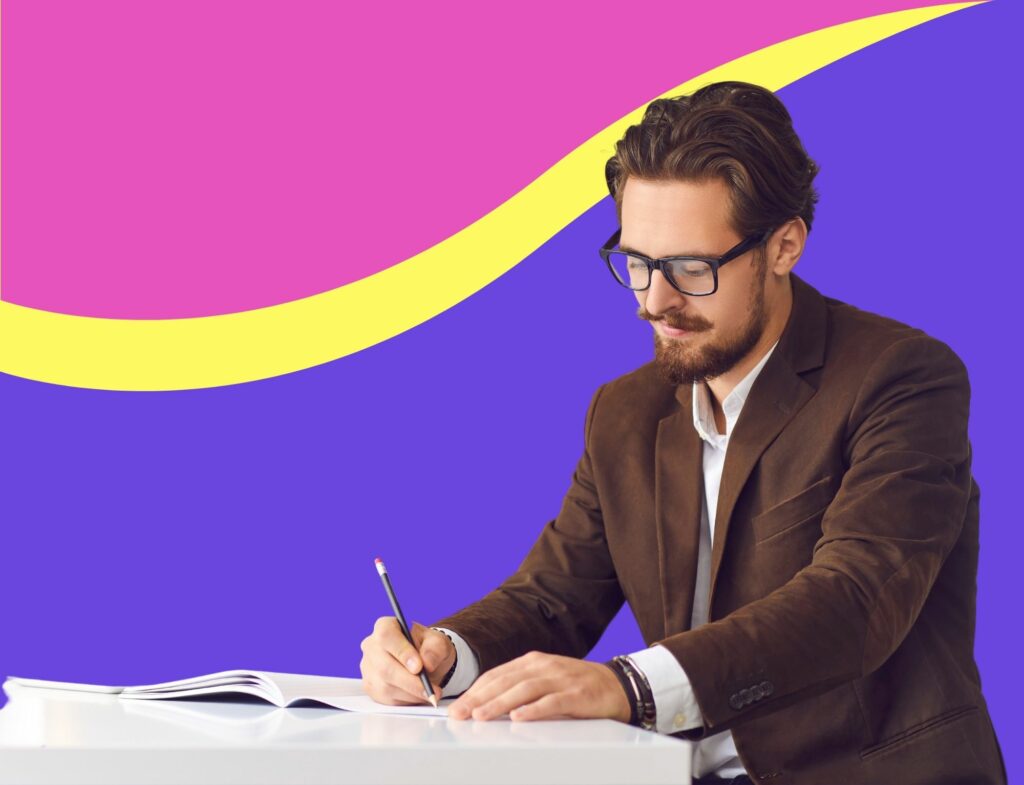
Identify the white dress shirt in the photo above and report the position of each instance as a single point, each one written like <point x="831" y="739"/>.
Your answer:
<point x="673" y="697"/>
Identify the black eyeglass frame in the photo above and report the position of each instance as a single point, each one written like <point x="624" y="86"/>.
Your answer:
<point x="659" y="264"/>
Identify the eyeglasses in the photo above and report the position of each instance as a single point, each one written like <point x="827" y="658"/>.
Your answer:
<point x="693" y="275"/>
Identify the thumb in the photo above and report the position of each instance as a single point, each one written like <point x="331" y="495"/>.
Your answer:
<point x="434" y="649"/>
<point x="412" y="656"/>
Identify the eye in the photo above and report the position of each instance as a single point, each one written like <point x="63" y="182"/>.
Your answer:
<point x="636" y="264"/>
<point x="691" y="269"/>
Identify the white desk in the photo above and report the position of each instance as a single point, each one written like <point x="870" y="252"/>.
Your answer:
<point x="56" y="737"/>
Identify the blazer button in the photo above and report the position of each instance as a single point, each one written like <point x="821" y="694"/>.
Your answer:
<point x="735" y="701"/>
<point x="745" y="696"/>
<point x="758" y="691"/>
<point x="768" y="688"/>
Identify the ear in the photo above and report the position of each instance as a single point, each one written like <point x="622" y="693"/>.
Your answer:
<point x="786" y="245"/>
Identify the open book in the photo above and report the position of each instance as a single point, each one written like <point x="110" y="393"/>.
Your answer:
<point x="281" y="689"/>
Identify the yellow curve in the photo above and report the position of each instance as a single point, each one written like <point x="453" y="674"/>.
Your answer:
<point x="175" y="354"/>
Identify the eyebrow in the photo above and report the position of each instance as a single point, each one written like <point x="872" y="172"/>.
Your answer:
<point x="628" y="249"/>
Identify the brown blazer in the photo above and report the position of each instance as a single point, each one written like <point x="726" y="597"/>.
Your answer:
<point x="840" y="642"/>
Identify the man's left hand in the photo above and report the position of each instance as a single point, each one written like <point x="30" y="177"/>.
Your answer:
<point x="540" y="686"/>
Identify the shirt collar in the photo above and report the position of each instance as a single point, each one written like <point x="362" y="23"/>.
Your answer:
<point x="703" y="415"/>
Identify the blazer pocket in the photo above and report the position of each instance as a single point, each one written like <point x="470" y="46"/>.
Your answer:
<point x="795" y="510"/>
<point x="916" y="732"/>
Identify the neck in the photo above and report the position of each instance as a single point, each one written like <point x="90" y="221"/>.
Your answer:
<point x="722" y="385"/>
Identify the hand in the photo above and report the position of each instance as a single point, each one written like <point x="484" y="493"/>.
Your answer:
<point x="540" y="686"/>
<point x="390" y="665"/>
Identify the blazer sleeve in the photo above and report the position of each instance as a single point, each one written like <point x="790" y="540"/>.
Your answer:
<point x="564" y="593"/>
<point x="896" y="516"/>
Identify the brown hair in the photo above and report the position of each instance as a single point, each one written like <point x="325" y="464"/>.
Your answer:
<point x="736" y="131"/>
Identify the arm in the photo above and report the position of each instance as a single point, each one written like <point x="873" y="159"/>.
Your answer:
<point x="897" y="515"/>
<point x="564" y="593"/>
<point x="580" y="516"/>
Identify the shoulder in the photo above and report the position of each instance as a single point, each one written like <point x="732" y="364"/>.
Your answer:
<point x="879" y="366"/>
<point x="630" y="406"/>
<point x="641" y="388"/>
<point x="867" y="344"/>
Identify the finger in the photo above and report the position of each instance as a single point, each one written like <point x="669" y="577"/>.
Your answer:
<point x="554" y="705"/>
<point x="393" y="672"/>
<point x="387" y="694"/>
<point x="435" y="649"/>
<point x="393" y="641"/>
<point x="398" y="697"/>
<point x="418" y="633"/>
<point x="384" y="692"/>
<point x="519" y="668"/>
<point x="379" y="667"/>
<point x="487" y="687"/>
<point x="515" y="696"/>
<point x="425" y="643"/>
<point x="394" y="675"/>
<point x="479" y="692"/>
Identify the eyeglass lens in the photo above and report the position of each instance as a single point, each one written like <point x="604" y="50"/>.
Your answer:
<point x="689" y="275"/>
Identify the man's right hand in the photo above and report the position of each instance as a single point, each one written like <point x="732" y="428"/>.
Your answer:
<point x="391" y="665"/>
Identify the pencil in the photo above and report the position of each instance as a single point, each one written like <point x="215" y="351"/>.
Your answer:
<point x="428" y="690"/>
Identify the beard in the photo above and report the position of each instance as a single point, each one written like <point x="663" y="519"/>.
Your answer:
<point x="678" y="362"/>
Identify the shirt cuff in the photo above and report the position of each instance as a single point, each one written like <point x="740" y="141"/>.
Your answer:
<point x="674" y="701"/>
<point x="467" y="667"/>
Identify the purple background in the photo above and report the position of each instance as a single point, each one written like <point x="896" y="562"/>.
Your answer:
<point x="154" y="536"/>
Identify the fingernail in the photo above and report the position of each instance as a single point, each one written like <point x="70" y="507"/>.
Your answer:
<point x="411" y="663"/>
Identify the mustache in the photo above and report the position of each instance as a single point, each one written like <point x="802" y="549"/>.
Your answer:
<point x="690" y="324"/>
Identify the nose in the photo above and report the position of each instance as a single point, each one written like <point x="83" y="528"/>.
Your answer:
<point x="661" y="296"/>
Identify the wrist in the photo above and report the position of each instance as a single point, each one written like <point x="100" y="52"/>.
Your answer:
<point x="627" y="709"/>
<point x="638" y="692"/>
<point x="630" y="716"/>
<point x="455" y="659"/>
<point x="648" y="715"/>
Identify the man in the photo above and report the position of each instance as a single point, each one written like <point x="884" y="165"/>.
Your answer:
<point x="783" y="496"/>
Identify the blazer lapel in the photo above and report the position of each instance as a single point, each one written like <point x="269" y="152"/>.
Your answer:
<point x="678" y="493"/>
<point x="778" y="393"/>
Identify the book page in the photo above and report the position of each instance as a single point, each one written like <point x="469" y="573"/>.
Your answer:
<point x="367" y="705"/>
<point x="208" y="680"/>
<point x="340" y="693"/>
<point x="64" y="685"/>
<point x="346" y="694"/>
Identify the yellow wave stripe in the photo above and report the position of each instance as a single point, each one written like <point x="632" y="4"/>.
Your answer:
<point x="175" y="354"/>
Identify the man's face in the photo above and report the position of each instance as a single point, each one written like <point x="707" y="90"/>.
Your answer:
<point x="717" y="331"/>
